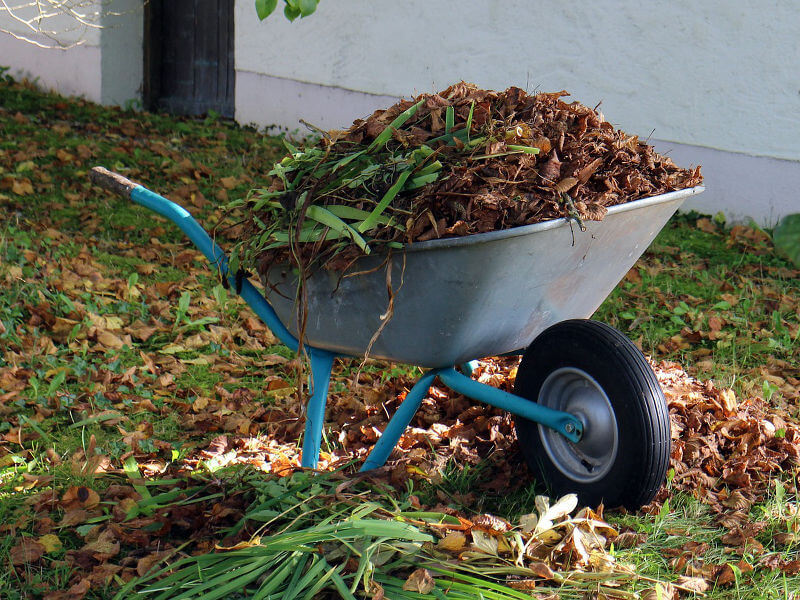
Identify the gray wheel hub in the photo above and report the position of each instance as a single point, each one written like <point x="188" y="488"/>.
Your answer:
<point x="574" y="391"/>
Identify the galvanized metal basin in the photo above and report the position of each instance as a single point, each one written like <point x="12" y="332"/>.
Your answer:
<point x="464" y="298"/>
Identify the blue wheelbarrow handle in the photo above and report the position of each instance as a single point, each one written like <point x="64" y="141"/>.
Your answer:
<point x="216" y="256"/>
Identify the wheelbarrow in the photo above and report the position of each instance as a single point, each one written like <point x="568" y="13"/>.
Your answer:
<point x="589" y="413"/>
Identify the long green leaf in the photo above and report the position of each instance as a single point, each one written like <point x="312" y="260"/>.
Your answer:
<point x="386" y="134"/>
<point x="353" y="214"/>
<point x="346" y="160"/>
<point x="449" y="119"/>
<point x="324" y="216"/>
<point x="341" y="586"/>
<point x="422" y="181"/>
<point x="290" y="590"/>
<point x="318" y="565"/>
<point x="322" y="581"/>
<point x="468" y="128"/>
<point x="222" y="580"/>
<point x="390" y="194"/>
<point x="294" y="566"/>
<point x="525" y="149"/>
<point x="131" y="468"/>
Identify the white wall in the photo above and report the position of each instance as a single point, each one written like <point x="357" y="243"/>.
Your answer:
<point x="53" y="58"/>
<point x="122" y="48"/>
<point x="102" y="61"/>
<point x="717" y="74"/>
<point x="72" y="72"/>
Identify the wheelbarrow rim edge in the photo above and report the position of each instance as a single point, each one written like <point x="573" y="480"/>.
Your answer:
<point x="490" y="236"/>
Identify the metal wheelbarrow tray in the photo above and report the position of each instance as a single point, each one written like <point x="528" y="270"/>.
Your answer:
<point x="590" y="415"/>
<point x="458" y="299"/>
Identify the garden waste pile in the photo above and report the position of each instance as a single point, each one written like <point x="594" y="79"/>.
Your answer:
<point x="459" y="162"/>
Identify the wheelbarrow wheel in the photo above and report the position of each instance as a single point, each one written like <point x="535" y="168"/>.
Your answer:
<point x="594" y="372"/>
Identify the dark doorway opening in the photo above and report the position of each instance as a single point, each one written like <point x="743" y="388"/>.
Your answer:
<point x="189" y="67"/>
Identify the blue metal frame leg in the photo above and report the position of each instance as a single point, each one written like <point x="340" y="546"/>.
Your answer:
<point x="399" y="421"/>
<point x="564" y="423"/>
<point x="321" y="365"/>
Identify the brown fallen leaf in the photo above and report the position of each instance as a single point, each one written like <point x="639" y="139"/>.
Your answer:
<point x="104" y="547"/>
<point x="22" y="187"/>
<point x="80" y="496"/>
<point x="566" y="184"/>
<point x="791" y="568"/>
<point x="76" y="592"/>
<point x="140" y="330"/>
<point x="692" y="584"/>
<point x="542" y="570"/>
<point x="706" y="225"/>
<point x="453" y="542"/>
<point x="420" y="581"/>
<point x="661" y="591"/>
<point x="109" y="340"/>
<point x="74" y="516"/>
<point x="26" y="552"/>
<point x="146" y="564"/>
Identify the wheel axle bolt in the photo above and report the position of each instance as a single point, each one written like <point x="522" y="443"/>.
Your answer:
<point x="569" y="427"/>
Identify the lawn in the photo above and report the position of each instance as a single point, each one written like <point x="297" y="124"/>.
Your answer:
<point x="148" y="417"/>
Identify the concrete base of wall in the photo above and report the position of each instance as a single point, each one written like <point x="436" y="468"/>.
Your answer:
<point x="742" y="187"/>
<point x="71" y="72"/>
<point x="279" y="104"/>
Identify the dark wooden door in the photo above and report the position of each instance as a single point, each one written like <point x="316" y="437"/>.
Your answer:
<point x="189" y="66"/>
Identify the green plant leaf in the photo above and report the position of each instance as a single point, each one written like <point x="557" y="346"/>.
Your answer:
<point x="525" y="149"/>
<point x="265" y="8"/>
<point x="786" y="237"/>
<point x="390" y="194"/>
<point x="449" y="119"/>
<point x="354" y="214"/>
<point x="328" y="219"/>
<point x="291" y="12"/>
<point x="468" y="128"/>
<point x="56" y="383"/>
<point x="307" y="7"/>
<point x="386" y="134"/>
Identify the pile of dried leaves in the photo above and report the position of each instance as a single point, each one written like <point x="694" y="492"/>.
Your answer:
<point x="459" y="162"/>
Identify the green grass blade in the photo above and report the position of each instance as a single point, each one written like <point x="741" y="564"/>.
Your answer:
<point x="449" y="119"/>
<point x="422" y="181"/>
<point x="327" y="218"/>
<point x="525" y="149"/>
<point x="346" y="160"/>
<point x="296" y="566"/>
<point x="386" y="134"/>
<point x="131" y="468"/>
<point x="353" y="214"/>
<point x="105" y="416"/>
<point x="322" y="582"/>
<point x="224" y="580"/>
<point x="468" y="128"/>
<point x="318" y="565"/>
<point x="289" y="592"/>
<point x="341" y="586"/>
<point x="390" y="194"/>
<point x="33" y="425"/>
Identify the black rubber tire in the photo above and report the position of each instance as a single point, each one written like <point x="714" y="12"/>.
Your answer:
<point x="634" y="474"/>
